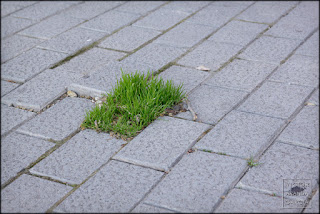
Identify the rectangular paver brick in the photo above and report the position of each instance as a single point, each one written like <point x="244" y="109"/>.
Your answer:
<point x="238" y="32"/>
<point x="189" y="77"/>
<point x="157" y="55"/>
<point x="14" y="45"/>
<point x="117" y="187"/>
<point x="28" y="64"/>
<point x="89" y="61"/>
<point x="243" y="201"/>
<point x="8" y="7"/>
<point x="51" y="27"/>
<point x="89" y="10"/>
<point x="196" y="183"/>
<point x="6" y="87"/>
<point x="241" y="74"/>
<point x="185" y="34"/>
<point x="293" y="27"/>
<point x="283" y="161"/>
<point x="161" y="19"/>
<point x="241" y="134"/>
<point x="38" y="92"/>
<point x="11" y="25"/>
<point x="129" y="38"/>
<point x="72" y="40"/>
<point x="212" y="103"/>
<point x="310" y="47"/>
<point x="210" y="54"/>
<point x="103" y="79"/>
<point x="300" y="70"/>
<point x="307" y="9"/>
<point x="11" y="117"/>
<point x="110" y="21"/>
<point x="43" y="9"/>
<point x="144" y="208"/>
<point x="276" y="99"/>
<point x="75" y="160"/>
<point x="269" y="49"/>
<point x="186" y="6"/>
<point x="139" y="7"/>
<point x="59" y="121"/>
<point x="303" y="129"/>
<point x="31" y="194"/>
<point x="18" y="151"/>
<point x="266" y="12"/>
<point x="215" y="16"/>
<point x="161" y="144"/>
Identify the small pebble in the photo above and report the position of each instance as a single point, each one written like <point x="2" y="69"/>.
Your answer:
<point x="72" y="94"/>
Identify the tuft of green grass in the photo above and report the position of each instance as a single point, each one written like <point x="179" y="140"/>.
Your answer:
<point x="133" y="104"/>
<point x="252" y="163"/>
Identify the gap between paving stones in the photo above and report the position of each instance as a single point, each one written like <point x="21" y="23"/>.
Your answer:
<point x="310" y="197"/>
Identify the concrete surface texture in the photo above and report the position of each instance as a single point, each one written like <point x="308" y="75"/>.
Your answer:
<point x="253" y="148"/>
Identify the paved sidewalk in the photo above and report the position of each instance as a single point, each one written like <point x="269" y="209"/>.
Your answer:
<point x="259" y="101"/>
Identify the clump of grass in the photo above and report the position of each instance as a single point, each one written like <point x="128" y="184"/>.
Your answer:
<point x="133" y="104"/>
<point x="252" y="163"/>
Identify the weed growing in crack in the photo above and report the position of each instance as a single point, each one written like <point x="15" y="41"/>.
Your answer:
<point x="133" y="104"/>
<point x="252" y="163"/>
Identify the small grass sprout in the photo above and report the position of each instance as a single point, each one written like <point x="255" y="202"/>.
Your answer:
<point x="252" y="163"/>
<point x="133" y="104"/>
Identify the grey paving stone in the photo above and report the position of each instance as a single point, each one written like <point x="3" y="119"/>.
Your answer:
<point x="241" y="134"/>
<point x="269" y="49"/>
<point x="38" y="92"/>
<point x="59" y="121"/>
<point x="266" y="12"/>
<point x="15" y="45"/>
<point x="139" y="7"/>
<point x="18" y="151"/>
<point x="51" y="27"/>
<point x="315" y="97"/>
<point x="161" y="19"/>
<point x="283" y="161"/>
<point x="144" y="208"/>
<point x="43" y="9"/>
<point x="103" y="79"/>
<point x="313" y="206"/>
<point x="186" y="6"/>
<point x="72" y="40"/>
<point x="89" y="61"/>
<point x="243" y="201"/>
<point x="238" y="32"/>
<point x="110" y="21"/>
<point x="304" y="128"/>
<point x="6" y="87"/>
<point x="185" y="34"/>
<point x="189" y="77"/>
<point x="8" y="7"/>
<point x="27" y="65"/>
<point x="75" y="160"/>
<point x="11" y="25"/>
<point x="276" y="99"/>
<point x="162" y="143"/>
<point x="242" y="4"/>
<point x="89" y="10"/>
<point x="212" y="103"/>
<point x="157" y="55"/>
<point x="31" y="194"/>
<point x="241" y="74"/>
<point x="12" y="117"/>
<point x="214" y="16"/>
<point x="310" y="47"/>
<point x="298" y="69"/>
<point x="195" y="186"/>
<point x="129" y="38"/>
<point x="307" y="9"/>
<point x="294" y="27"/>
<point x="117" y="187"/>
<point x="210" y="54"/>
